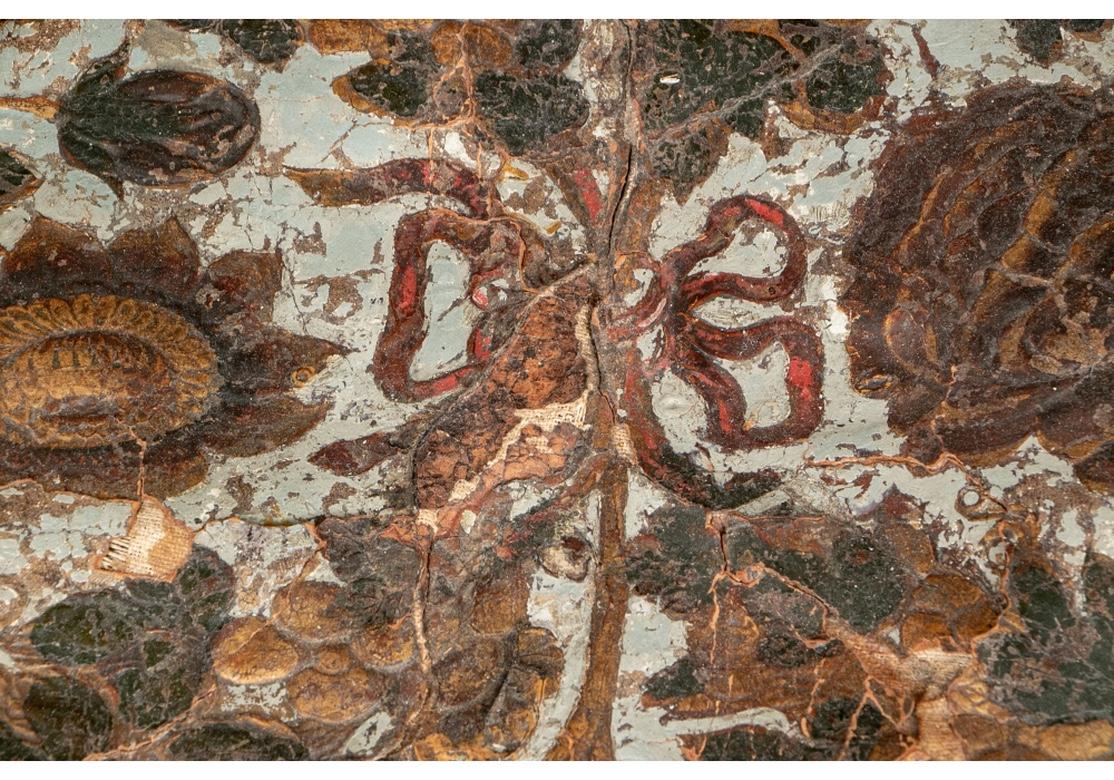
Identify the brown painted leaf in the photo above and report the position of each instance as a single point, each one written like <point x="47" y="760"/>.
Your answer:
<point x="16" y="178"/>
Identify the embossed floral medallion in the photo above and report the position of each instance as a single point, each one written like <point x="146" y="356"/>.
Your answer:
<point x="130" y="362"/>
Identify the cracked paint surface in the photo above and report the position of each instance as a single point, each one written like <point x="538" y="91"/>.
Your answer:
<point x="556" y="389"/>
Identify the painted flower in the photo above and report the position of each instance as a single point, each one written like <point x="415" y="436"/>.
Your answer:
<point x="981" y="296"/>
<point x="129" y="362"/>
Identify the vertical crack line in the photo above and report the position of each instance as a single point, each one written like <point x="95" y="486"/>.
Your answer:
<point x="624" y="183"/>
<point x="620" y="201"/>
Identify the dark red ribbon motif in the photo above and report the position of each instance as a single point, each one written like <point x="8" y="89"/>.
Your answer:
<point x="690" y="346"/>
<point x="498" y="248"/>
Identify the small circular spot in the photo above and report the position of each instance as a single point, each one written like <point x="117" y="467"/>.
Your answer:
<point x="302" y="376"/>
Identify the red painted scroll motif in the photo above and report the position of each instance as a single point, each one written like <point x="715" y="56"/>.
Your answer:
<point x="506" y="257"/>
<point x="689" y="347"/>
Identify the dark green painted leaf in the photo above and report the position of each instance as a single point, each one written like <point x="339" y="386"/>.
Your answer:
<point x="266" y="40"/>
<point x="1037" y="37"/>
<point x="154" y="127"/>
<point x="85" y="628"/>
<point x="1085" y="25"/>
<point x="194" y="25"/>
<point x="752" y="743"/>
<point x="676" y="681"/>
<point x="686" y="158"/>
<point x="831" y="721"/>
<point x="733" y="73"/>
<point x="703" y="83"/>
<point x="862" y="578"/>
<point x="700" y="79"/>
<point x="376" y="569"/>
<point x="230" y="742"/>
<point x="828" y="726"/>
<point x="526" y="112"/>
<point x="16" y="177"/>
<point x="848" y="77"/>
<point x="206" y="583"/>
<point x="1060" y="666"/>
<point x="72" y="720"/>
<point x="398" y="88"/>
<point x="161" y="679"/>
<point x="678" y="563"/>
<point x="401" y="86"/>
<point x="150" y="639"/>
<point x="547" y="44"/>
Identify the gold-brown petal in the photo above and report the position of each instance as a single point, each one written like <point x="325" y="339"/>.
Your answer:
<point x="336" y="36"/>
<point x="335" y="698"/>
<point x="241" y="284"/>
<point x="162" y="258"/>
<point x="51" y="255"/>
<point x="500" y="604"/>
<point x="251" y="428"/>
<point x="309" y="610"/>
<point x="333" y="659"/>
<point x="385" y="645"/>
<point x="274" y="359"/>
<point x="464" y="674"/>
<point x="251" y="652"/>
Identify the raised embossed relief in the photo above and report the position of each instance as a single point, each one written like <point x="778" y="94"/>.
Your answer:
<point x="128" y="362"/>
<point x="156" y="126"/>
<point x="556" y="389"/>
